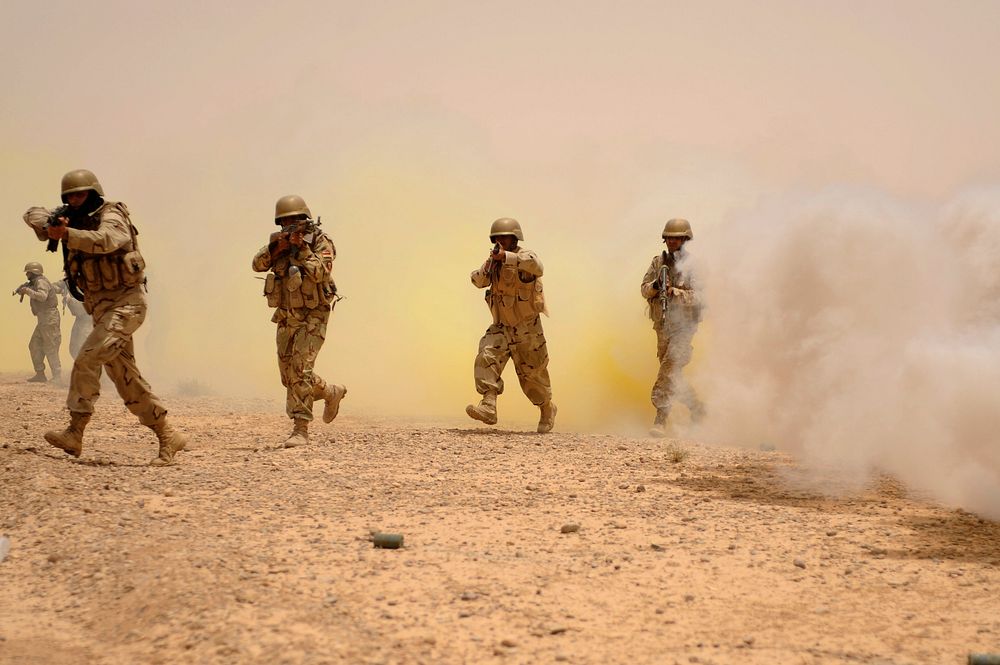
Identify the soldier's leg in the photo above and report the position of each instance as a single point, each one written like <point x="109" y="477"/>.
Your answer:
<point x="133" y="389"/>
<point x="85" y="377"/>
<point x="681" y="352"/>
<point x="51" y="341"/>
<point x="285" y="334"/>
<point x="494" y="352"/>
<point x="308" y="386"/>
<point x="331" y="393"/>
<point x="37" y="351"/>
<point x="663" y="386"/>
<point x="531" y="361"/>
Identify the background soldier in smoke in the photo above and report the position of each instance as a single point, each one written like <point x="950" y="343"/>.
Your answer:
<point x="46" y="338"/>
<point x="104" y="266"/>
<point x="513" y="275"/>
<point x="675" y="308"/>
<point x="300" y="287"/>
<point x="82" y="321"/>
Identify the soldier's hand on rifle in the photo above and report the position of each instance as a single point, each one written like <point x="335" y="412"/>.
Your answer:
<point x="295" y="239"/>
<point x="279" y="244"/>
<point x="58" y="232"/>
<point x="498" y="254"/>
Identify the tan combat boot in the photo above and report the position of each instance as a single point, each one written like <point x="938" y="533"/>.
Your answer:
<point x="39" y="377"/>
<point x="332" y="396"/>
<point x="171" y="443"/>
<point x="659" y="428"/>
<point x="485" y="411"/>
<point x="57" y="377"/>
<point x="299" y="435"/>
<point x="548" y="417"/>
<point x="70" y="440"/>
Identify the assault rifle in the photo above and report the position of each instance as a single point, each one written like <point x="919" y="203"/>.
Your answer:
<point x="28" y="283"/>
<point x="309" y="228"/>
<point x="664" y="291"/>
<point x="54" y="221"/>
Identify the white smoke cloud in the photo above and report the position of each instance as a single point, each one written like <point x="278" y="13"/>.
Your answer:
<point x="863" y="333"/>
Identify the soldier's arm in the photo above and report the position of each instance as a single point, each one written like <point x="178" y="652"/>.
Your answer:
<point x="481" y="276"/>
<point x="262" y="260"/>
<point x="41" y="292"/>
<point x="650" y="287"/>
<point x="112" y="234"/>
<point x="525" y="261"/>
<point x="317" y="262"/>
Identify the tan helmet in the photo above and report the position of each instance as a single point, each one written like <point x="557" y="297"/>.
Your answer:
<point x="506" y="226"/>
<point x="34" y="267"/>
<point x="678" y="228"/>
<point x="80" y="181"/>
<point x="289" y="206"/>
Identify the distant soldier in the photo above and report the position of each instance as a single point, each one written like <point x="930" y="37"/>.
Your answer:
<point x="513" y="275"/>
<point x="46" y="338"/>
<point x="675" y="308"/>
<point x="105" y="269"/>
<point x="299" y="262"/>
<point x="82" y="322"/>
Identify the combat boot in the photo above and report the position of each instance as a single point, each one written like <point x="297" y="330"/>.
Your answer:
<point x="57" y="377"/>
<point x="299" y="435"/>
<point x="70" y="440"/>
<point x="485" y="411"/>
<point x="39" y="377"/>
<point x="171" y="443"/>
<point x="659" y="428"/>
<point x="332" y="396"/>
<point x="548" y="417"/>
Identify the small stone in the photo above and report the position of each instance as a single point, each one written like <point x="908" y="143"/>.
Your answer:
<point x="469" y="595"/>
<point x="799" y="563"/>
<point x="4" y="547"/>
<point x="330" y="600"/>
<point x="831" y="532"/>
<point x="657" y="547"/>
<point x="54" y="558"/>
<point x="509" y="643"/>
<point x="558" y="630"/>
<point x="623" y="486"/>
<point x="748" y="640"/>
<point x="569" y="528"/>
<point x="688" y="598"/>
<point x="640" y="488"/>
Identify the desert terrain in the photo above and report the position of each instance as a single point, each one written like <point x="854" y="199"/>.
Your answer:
<point x="241" y="553"/>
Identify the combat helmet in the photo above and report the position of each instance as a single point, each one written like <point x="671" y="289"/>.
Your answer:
<point x="290" y="206"/>
<point x="678" y="228"/>
<point x="80" y="180"/>
<point x="34" y="267"/>
<point x="506" y="226"/>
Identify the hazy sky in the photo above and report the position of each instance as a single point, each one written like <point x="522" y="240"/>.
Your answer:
<point x="411" y="125"/>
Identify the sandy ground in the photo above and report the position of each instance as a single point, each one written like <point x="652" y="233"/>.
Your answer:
<point x="239" y="555"/>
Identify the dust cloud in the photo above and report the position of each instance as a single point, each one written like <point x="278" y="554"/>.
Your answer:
<point x="862" y="333"/>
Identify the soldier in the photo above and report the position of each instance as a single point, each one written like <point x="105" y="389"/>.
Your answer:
<point x="82" y="322"/>
<point x="675" y="308"/>
<point x="513" y="275"/>
<point x="300" y="287"/>
<point x="104" y="267"/>
<point x="46" y="338"/>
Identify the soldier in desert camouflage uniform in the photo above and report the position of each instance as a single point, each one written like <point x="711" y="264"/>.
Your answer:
<point x="46" y="338"/>
<point x="103" y="263"/>
<point x="513" y="275"/>
<point x="299" y="285"/>
<point x="674" y="327"/>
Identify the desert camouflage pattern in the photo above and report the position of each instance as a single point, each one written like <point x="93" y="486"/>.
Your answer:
<point x="104" y="259"/>
<point x="301" y="315"/>
<point x="47" y="337"/>
<point x="674" y="335"/>
<point x="515" y="299"/>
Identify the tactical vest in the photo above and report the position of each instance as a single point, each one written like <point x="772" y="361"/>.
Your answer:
<point x="513" y="300"/>
<point x="677" y="312"/>
<point x="122" y="268"/>
<point x="285" y="291"/>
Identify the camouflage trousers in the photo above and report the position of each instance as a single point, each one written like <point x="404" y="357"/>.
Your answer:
<point x="674" y="350"/>
<point x="109" y="347"/>
<point x="299" y="341"/>
<point x="525" y="344"/>
<point x="82" y="326"/>
<point x="44" y="343"/>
